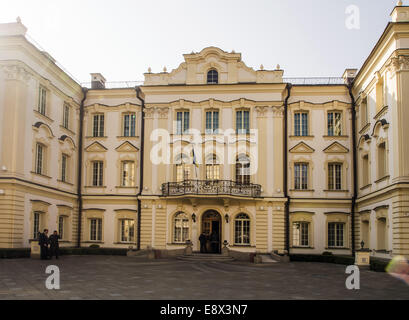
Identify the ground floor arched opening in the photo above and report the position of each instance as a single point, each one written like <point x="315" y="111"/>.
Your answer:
<point x="211" y="228"/>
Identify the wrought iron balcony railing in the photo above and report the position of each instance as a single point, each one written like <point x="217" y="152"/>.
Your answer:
<point x="211" y="187"/>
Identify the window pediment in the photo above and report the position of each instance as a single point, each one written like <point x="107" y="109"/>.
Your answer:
<point x="302" y="147"/>
<point x="127" y="147"/>
<point x="96" y="147"/>
<point x="336" y="147"/>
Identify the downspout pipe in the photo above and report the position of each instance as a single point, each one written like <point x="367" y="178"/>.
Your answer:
<point x="285" y="168"/>
<point x="79" y="168"/>
<point x="142" y="144"/>
<point x="354" y="165"/>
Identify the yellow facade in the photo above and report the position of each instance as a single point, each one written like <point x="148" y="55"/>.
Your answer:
<point x="273" y="166"/>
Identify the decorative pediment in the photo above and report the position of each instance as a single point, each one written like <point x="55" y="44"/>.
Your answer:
<point x="96" y="147"/>
<point x="336" y="147"/>
<point x="302" y="147"/>
<point x="229" y="66"/>
<point x="127" y="147"/>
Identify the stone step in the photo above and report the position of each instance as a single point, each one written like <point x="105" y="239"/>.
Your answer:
<point x="205" y="257"/>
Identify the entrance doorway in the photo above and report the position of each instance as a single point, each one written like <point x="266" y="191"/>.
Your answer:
<point x="211" y="227"/>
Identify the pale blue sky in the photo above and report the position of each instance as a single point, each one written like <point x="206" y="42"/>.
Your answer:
<point x="122" y="38"/>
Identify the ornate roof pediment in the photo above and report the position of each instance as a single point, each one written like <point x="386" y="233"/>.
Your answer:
<point x="127" y="147"/>
<point x="96" y="147"/>
<point x="230" y="68"/>
<point x="302" y="147"/>
<point x="336" y="147"/>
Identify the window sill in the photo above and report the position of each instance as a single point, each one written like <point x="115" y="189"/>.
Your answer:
<point x="40" y="175"/>
<point x="296" y="247"/>
<point x="176" y="244"/>
<point x="242" y="246"/>
<point x="343" y="191"/>
<point x="93" y="241"/>
<point x="125" y="187"/>
<point x="65" y="182"/>
<point x="43" y="116"/>
<point x="335" y="137"/>
<point x="120" y="242"/>
<point x="302" y="190"/>
<point x="92" y="137"/>
<point x="365" y="187"/>
<point x="95" y="187"/>
<point x="301" y="137"/>
<point x="382" y="179"/>
<point x="67" y="130"/>
<point x="337" y="248"/>
<point x="128" y="137"/>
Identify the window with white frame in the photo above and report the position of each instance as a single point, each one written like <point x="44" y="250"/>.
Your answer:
<point x="36" y="224"/>
<point x="212" y="122"/>
<point x="42" y="100"/>
<point x="39" y="162"/>
<point x="128" y="174"/>
<point x="212" y="167"/>
<point x="97" y="173"/>
<point x="301" y="176"/>
<point x="334" y="176"/>
<point x="212" y="77"/>
<point x="182" y="122"/>
<point x="301" y="234"/>
<point x="243" y="169"/>
<point x="180" y="228"/>
<point x="127" y="227"/>
<point x="129" y="121"/>
<point x="242" y="229"/>
<point x="182" y="168"/>
<point x="64" y="167"/>
<point x="66" y="116"/>
<point x="336" y="234"/>
<point x="334" y="123"/>
<point x="301" y="124"/>
<point x="98" y="125"/>
<point x="242" y="122"/>
<point x="95" y="233"/>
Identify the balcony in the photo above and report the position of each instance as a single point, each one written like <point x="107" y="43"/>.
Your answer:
<point x="213" y="188"/>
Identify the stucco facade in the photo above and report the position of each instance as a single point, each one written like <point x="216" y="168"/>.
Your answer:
<point x="267" y="164"/>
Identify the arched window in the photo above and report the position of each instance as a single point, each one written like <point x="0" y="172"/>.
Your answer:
<point x="243" y="169"/>
<point x="181" y="228"/>
<point x="242" y="229"/>
<point x="212" y="77"/>
<point x="182" y="167"/>
<point x="212" y="167"/>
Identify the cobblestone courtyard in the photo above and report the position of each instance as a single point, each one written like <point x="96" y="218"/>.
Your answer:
<point x="117" y="277"/>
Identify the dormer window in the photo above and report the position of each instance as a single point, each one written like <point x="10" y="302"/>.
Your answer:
<point x="212" y="77"/>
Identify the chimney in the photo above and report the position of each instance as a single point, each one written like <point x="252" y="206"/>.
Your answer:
<point x="349" y="75"/>
<point x="97" y="81"/>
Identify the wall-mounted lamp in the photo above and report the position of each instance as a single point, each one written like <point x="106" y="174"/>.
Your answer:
<point x="226" y="217"/>
<point x="194" y="217"/>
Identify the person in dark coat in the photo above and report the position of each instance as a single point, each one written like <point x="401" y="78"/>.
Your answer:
<point x="54" y="245"/>
<point x="203" y="240"/>
<point x="214" y="239"/>
<point x="44" y="243"/>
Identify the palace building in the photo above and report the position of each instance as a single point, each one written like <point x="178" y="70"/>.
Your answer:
<point x="259" y="162"/>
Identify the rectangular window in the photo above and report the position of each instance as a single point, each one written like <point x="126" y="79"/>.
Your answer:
<point x="98" y="128"/>
<point x="61" y="227"/>
<point x="36" y="224"/>
<point x="182" y="122"/>
<point x="334" y="176"/>
<point x="97" y="173"/>
<point x="364" y="112"/>
<point x="127" y="230"/>
<point x="212" y="122"/>
<point x="242" y="231"/>
<point x="300" y="234"/>
<point x="335" y="234"/>
<point x="66" y="116"/>
<point x="382" y="169"/>
<point x="39" y="158"/>
<point x="96" y="230"/>
<point x="64" y="166"/>
<point x="182" y="172"/>
<point x="42" y="100"/>
<point x="334" y="123"/>
<point x="242" y="122"/>
<point x="129" y="125"/>
<point x="365" y="170"/>
<point x="128" y="173"/>
<point x="301" y="124"/>
<point x="301" y="176"/>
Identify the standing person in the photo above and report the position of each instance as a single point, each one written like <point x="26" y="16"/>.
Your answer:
<point x="44" y="242"/>
<point x="54" y="245"/>
<point x="203" y="240"/>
